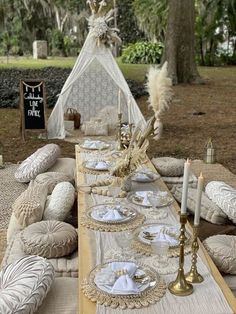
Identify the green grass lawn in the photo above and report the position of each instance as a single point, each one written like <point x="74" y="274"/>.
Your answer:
<point x="131" y="71"/>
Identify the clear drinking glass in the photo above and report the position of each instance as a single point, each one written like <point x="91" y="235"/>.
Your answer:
<point x="160" y="249"/>
<point x="155" y="201"/>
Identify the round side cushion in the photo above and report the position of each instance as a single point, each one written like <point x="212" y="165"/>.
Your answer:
<point x="51" y="179"/>
<point x="224" y="196"/>
<point x="49" y="239"/>
<point x="60" y="202"/>
<point x="222" y="249"/>
<point x="168" y="166"/>
<point x="209" y="210"/>
<point x="38" y="162"/>
<point x="24" y="284"/>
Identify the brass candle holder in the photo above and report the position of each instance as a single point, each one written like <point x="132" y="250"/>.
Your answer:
<point x="120" y="146"/>
<point x="180" y="287"/>
<point x="193" y="276"/>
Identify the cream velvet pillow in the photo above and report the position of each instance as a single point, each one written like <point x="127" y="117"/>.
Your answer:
<point x="224" y="196"/>
<point x="49" y="239"/>
<point x="60" y="202"/>
<point x="222" y="249"/>
<point x="38" y="162"/>
<point x="29" y="206"/>
<point x="209" y="210"/>
<point x="24" y="284"/>
<point x="168" y="166"/>
<point x="64" y="165"/>
<point x="51" y="179"/>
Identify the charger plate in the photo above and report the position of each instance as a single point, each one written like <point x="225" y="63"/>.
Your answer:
<point x="142" y="242"/>
<point x="132" y="221"/>
<point x="151" y="292"/>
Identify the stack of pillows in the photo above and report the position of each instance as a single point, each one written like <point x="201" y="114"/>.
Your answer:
<point x="37" y="228"/>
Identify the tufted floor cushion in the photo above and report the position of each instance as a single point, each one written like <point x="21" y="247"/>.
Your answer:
<point x="64" y="165"/>
<point x="168" y="166"/>
<point x="224" y="196"/>
<point x="38" y="162"/>
<point x="49" y="239"/>
<point x="209" y="210"/>
<point x="62" y="297"/>
<point x="51" y="179"/>
<point x="222" y="249"/>
<point x="66" y="266"/>
<point x="60" y="202"/>
<point x="29" y="206"/>
<point x="24" y="284"/>
<point x="177" y="182"/>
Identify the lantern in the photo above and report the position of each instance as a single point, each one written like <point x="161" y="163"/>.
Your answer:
<point x="210" y="157"/>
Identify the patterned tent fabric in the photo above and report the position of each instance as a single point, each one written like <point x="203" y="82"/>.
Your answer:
<point x="93" y="84"/>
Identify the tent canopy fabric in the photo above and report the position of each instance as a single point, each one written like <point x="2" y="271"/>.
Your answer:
<point x="93" y="84"/>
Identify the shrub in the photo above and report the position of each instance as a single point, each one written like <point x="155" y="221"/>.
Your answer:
<point x="142" y="52"/>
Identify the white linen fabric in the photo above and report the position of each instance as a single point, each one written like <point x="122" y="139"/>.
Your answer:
<point x="38" y="162"/>
<point x="92" y="85"/>
<point x="49" y="239"/>
<point x="60" y="202"/>
<point x="222" y="249"/>
<point x="224" y="196"/>
<point x="209" y="210"/>
<point x="24" y="284"/>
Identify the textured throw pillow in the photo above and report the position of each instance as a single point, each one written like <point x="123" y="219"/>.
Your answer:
<point x="209" y="210"/>
<point x="38" y="162"/>
<point x="13" y="227"/>
<point x="24" y="284"/>
<point x="49" y="239"/>
<point x="222" y="249"/>
<point x="168" y="166"/>
<point x="29" y="206"/>
<point x="64" y="165"/>
<point x="224" y="196"/>
<point x="60" y="202"/>
<point x="51" y="179"/>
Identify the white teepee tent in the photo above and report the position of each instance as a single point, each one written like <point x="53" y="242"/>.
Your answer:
<point x="93" y="84"/>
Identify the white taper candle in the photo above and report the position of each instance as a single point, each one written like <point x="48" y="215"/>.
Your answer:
<point x="185" y="187"/>
<point x="198" y="200"/>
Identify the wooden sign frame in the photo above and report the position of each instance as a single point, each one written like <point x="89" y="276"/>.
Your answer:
<point x="22" y="106"/>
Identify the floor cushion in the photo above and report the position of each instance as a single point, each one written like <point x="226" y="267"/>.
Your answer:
<point x="38" y="162"/>
<point x="209" y="210"/>
<point x="13" y="227"/>
<point x="222" y="249"/>
<point x="175" y="182"/>
<point x="24" y="284"/>
<point x="49" y="239"/>
<point x="62" y="297"/>
<point x="29" y="206"/>
<point x="64" y="165"/>
<point x="224" y="196"/>
<point x="60" y="202"/>
<point x="66" y="266"/>
<point x="231" y="282"/>
<point x="51" y="179"/>
<point x="168" y="166"/>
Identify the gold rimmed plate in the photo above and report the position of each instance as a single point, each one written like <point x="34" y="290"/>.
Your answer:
<point x="119" y="213"/>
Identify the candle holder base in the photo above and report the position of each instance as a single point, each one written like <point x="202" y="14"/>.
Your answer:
<point x="193" y="276"/>
<point x="180" y="286"/>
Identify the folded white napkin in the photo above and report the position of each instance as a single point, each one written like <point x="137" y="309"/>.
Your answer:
<point x="112" y="214"/>
<point x="92" y="144"/>
<point x="144" y="196"/>
<point x="169" y="235"/>
<point x="101" y="165"/>
<point x="124" y="284"/>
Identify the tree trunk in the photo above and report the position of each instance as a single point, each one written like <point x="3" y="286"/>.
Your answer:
<point x="179" y="43"/>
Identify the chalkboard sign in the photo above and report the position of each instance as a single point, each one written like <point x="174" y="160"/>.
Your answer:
<point x="32" y="102"/>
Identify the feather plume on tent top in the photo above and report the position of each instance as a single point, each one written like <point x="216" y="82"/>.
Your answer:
<point x="98" y="24"/>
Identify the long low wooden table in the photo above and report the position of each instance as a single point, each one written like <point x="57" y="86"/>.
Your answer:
<point x="85" y="250"/>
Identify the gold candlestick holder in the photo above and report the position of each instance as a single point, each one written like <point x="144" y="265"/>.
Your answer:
<point x="193" y="276"/>
<point x="180" y="287"/>
<point x="120" y="146"/>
